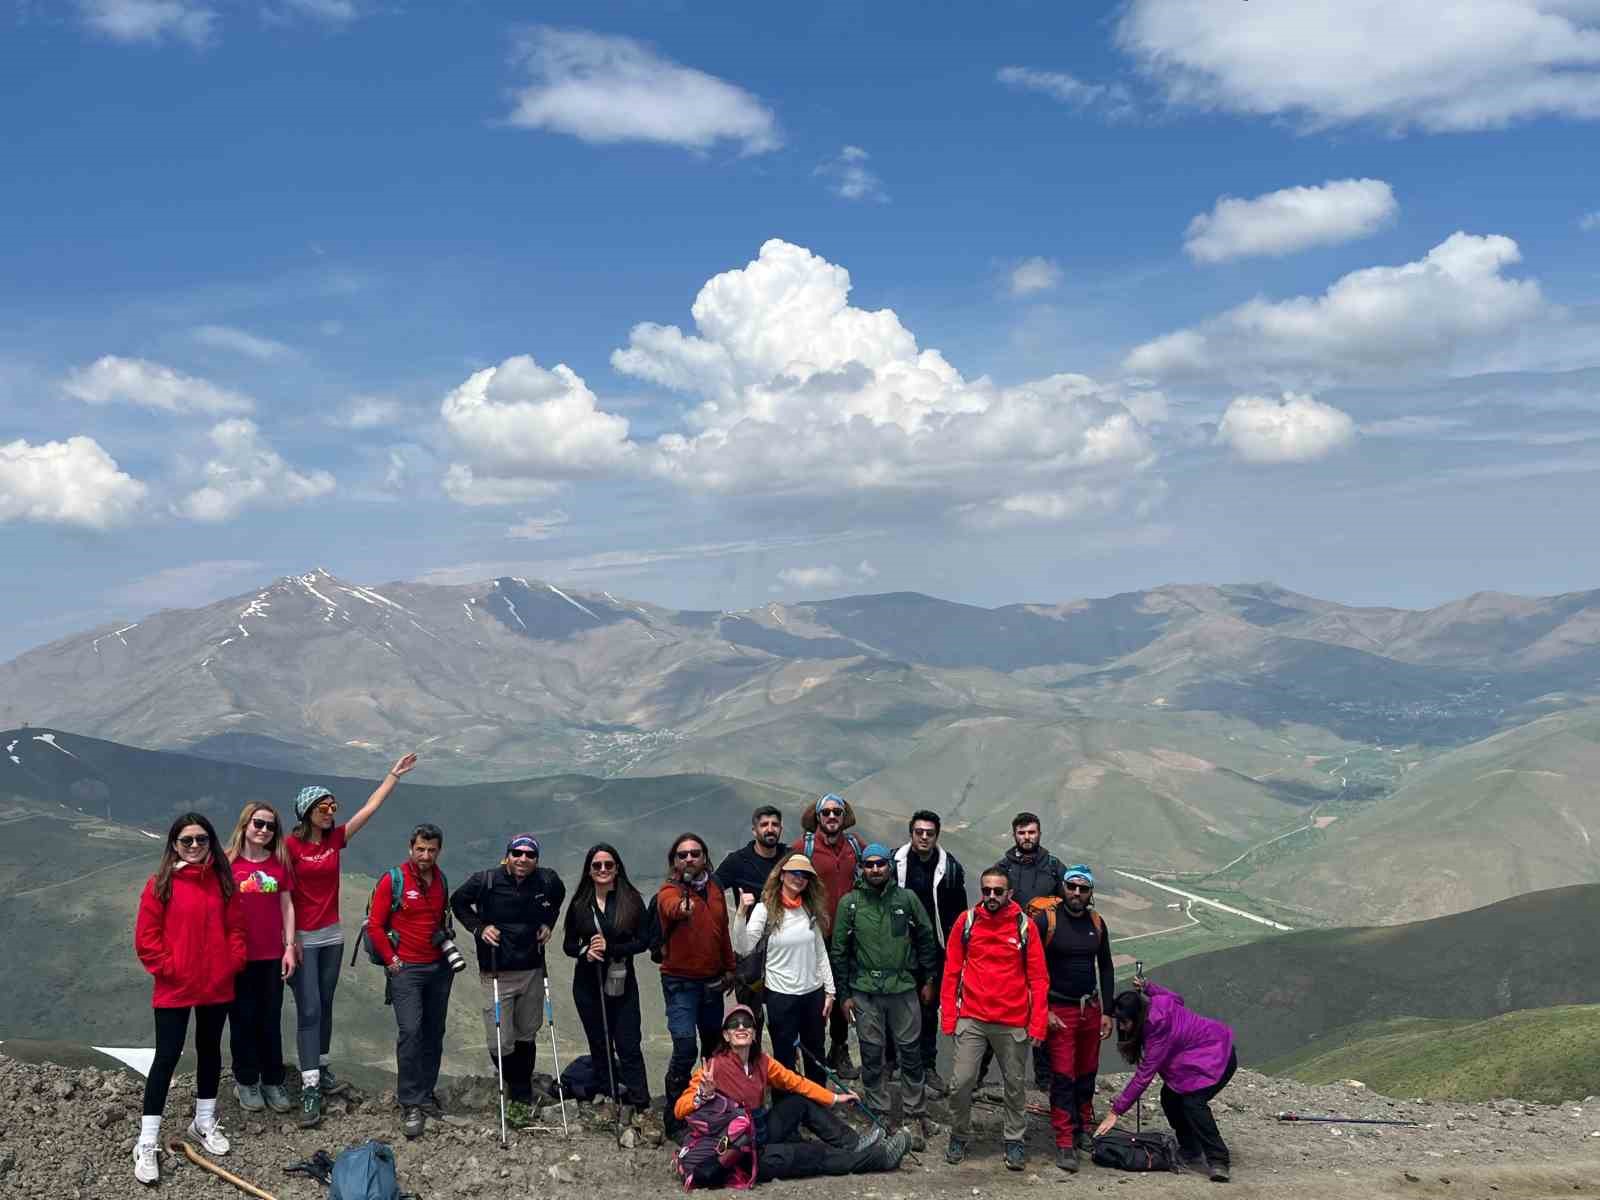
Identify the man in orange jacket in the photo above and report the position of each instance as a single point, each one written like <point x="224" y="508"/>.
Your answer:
<point x="995" y="996"/>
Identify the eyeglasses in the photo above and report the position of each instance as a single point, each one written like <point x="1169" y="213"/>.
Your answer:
<point x="999" y="891"/>
<point x="1079" y="887"/>
<point x="193" y="841"/>
<point x="739" y="1023"/>
<point x="266" y="826"/>
<point x="602" y="865"/>
<point x="327" y="806"/>
<point x="686" y="854"/>
<point x="534" y="854"/>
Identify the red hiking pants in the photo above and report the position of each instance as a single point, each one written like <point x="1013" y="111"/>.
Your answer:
<point x="1074" y="1053"/>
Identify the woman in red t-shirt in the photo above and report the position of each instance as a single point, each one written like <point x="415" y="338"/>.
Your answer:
<point x="314" y="850"/>
<point x="190" y="936"/>
<point x="255" y="1022"/>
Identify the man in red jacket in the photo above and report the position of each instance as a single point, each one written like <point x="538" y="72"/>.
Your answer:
<point x="835" y="853"/>
<point x="994" y="996"/>
<point x="696" y="959"/>
<point x="419" y="977"/>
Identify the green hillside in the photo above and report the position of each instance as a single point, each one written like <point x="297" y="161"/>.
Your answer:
<point x="1546" y="1054"/>
<point x="1532" y="951"/>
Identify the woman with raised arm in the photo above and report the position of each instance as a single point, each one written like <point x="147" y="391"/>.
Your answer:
<point x="792" y="915"/>
<point x="739" y="1078"/>
<point x="314" y="850"/>
<point x="604" y="930"/>
<point x="255" y="1022"/>
<point x="190" y="936"/>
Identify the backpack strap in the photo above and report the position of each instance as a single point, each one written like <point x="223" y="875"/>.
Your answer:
<point x="810" y="843"/>
<point x="397" y="889"/>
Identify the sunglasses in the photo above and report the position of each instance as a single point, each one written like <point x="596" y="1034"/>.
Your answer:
<point x="830" y="812"/>
<point x="1000" y="891"/>
<point x="876" y="864"/>
<point x="924" y="833"/>
<point x="523" y="854"/>
<point x="1079" y="887"/>
<point x="327" y="806"/>
<point x="798" y="874"/>
<point x="738" y="1023"/>
<point x="686" y="854"/>
<point x="266" y="826"/>
<point x="602" y="865"/>
<point x="190" y="842"/>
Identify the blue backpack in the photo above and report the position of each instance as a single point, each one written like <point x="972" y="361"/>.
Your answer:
<point x="365" y="1172"/>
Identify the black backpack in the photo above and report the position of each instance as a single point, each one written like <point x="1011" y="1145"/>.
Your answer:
<point x="654" y="940"/>
<point x="1136" y="1151"/>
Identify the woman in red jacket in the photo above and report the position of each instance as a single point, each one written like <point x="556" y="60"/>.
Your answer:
<point x="190" y="936"/>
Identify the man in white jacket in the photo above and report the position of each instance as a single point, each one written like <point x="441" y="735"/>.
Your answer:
<point x="923" y="868"/>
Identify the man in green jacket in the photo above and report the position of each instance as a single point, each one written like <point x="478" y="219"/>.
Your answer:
<point x="885" y="955"/>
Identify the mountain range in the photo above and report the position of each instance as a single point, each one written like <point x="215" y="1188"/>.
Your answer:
<point x="1245" y="738"/>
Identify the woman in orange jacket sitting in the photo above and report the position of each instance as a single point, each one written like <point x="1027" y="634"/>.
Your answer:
<point x="745" y="1076"/>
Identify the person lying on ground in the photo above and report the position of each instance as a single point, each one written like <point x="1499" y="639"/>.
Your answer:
<point x="735" y="1088"/>
<point x="1195" y="1058"/>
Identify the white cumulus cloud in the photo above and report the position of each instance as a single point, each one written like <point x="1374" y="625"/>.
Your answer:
<point x="74" y="482"/>
<point x="1035" y="275"/>
<point x="1298" y="428"/>
<point x="812" y="579"/>
<point x="152" y="21"/>
<point x="604" y="89"/>
<point x="538" y="528"/>
<point x="245" y="472"/>
<point x="367" y="412"/>
<point x="520" y="430"/>
<point x="851" y="178"/>
<point x="1420" y="314"/>
<point x="1291" y="219"/>
<point x="1471" y="64"/>
<point x="145" y="384"/>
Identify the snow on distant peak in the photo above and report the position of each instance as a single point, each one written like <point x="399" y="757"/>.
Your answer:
<point x="371" y="597"/>
<point x="49" y="739"/>
<point x="115" y="633"/>
<point x="570" y="600"/>
<point x="309" y="582"/>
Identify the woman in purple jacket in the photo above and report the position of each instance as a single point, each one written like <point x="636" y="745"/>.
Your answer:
<point x="1195" y="1058"/>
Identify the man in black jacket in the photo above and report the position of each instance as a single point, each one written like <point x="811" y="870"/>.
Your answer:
<point x="924" y="868"/>
<point x="510" y="911"/>
<point x="741" y="877"/>
<point x="1032" y="870"/>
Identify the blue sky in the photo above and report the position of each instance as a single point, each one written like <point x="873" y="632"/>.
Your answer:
<point x="1013" y="302"/>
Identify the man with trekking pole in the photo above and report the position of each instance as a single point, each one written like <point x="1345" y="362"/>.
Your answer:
<point x="510" y="910"/>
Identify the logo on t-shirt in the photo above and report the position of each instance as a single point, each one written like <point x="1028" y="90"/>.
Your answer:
<point x="258" y="882"/>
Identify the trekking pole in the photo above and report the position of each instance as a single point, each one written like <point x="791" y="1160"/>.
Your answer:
<point x="550" y="1019"/>
<point x="1138" y="1105"/>
<point x="841" y="1085"/>
<point x="1289" y="1116"/>
<point x="177" y="1146"/>
<point x="605" y="1028"/>
<point x="499" y="1046"/>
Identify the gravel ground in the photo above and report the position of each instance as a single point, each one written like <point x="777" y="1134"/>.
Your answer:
<point x="68" y="1134"/>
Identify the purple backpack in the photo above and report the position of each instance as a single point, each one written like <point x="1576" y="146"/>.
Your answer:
<point x="722" y="1131"/>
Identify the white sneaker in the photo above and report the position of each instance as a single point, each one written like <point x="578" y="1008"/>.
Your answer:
<point x="145" y="1167"/>
<point x="213" y="1141"/>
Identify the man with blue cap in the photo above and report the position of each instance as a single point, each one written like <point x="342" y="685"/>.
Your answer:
<point x="884" y="954"/>
<point x="510" y="910"/>
<point x="1077" y="948"/>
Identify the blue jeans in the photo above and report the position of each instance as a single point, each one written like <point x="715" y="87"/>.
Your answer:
<point x="313" y="986"/>
<point x="694" y="1006"/>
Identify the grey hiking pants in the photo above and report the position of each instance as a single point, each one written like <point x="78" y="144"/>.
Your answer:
<point x="1010" y="1045"/>
<point x="895" y="1017"/>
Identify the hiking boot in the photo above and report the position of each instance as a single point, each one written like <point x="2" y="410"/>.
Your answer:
<point x="276" y="1097"/>
<point x="432" y="1108"/>
<point x="213" y="1139"/>
<point x="888" y="1153"/>
<point x="868" y="1139"/>
<point x="626" y="1113"/>
<point x="928" y="1128"/>
<point x="840" y="1062"/>
<point x="956" y="1150"/>
<point x="415" y="1121"/>
<point x="310" y="1107"/>
<point x="331" y="1084"/>
<point x="1219" y="1172"/>
<point x="1083" y="1141"/>
<point x="249" y="1097"/>
<point x="915" y="1136"/>
<point x="518" y="1114"/>
<point x="1016" y="1156"/>
<point x="146" y="1167"/>
<point x="1067" y="1159"/>
<point x="934" y="1084"/>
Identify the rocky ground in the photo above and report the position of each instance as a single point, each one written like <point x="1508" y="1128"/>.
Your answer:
<point x="68" y="1134"/>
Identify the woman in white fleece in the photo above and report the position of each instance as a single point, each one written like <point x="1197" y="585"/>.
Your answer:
<point x="791" y="915"/>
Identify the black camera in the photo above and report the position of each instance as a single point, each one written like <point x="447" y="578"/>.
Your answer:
<point x="451" y="952"/>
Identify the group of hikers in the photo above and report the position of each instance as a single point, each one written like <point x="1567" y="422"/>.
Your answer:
<point x="805" y="941"/>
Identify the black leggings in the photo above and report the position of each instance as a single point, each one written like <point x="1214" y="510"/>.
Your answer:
<point x="172" y="1028"/>
<point x="796" y="1022"/>
<point x="255" y="1023"/>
